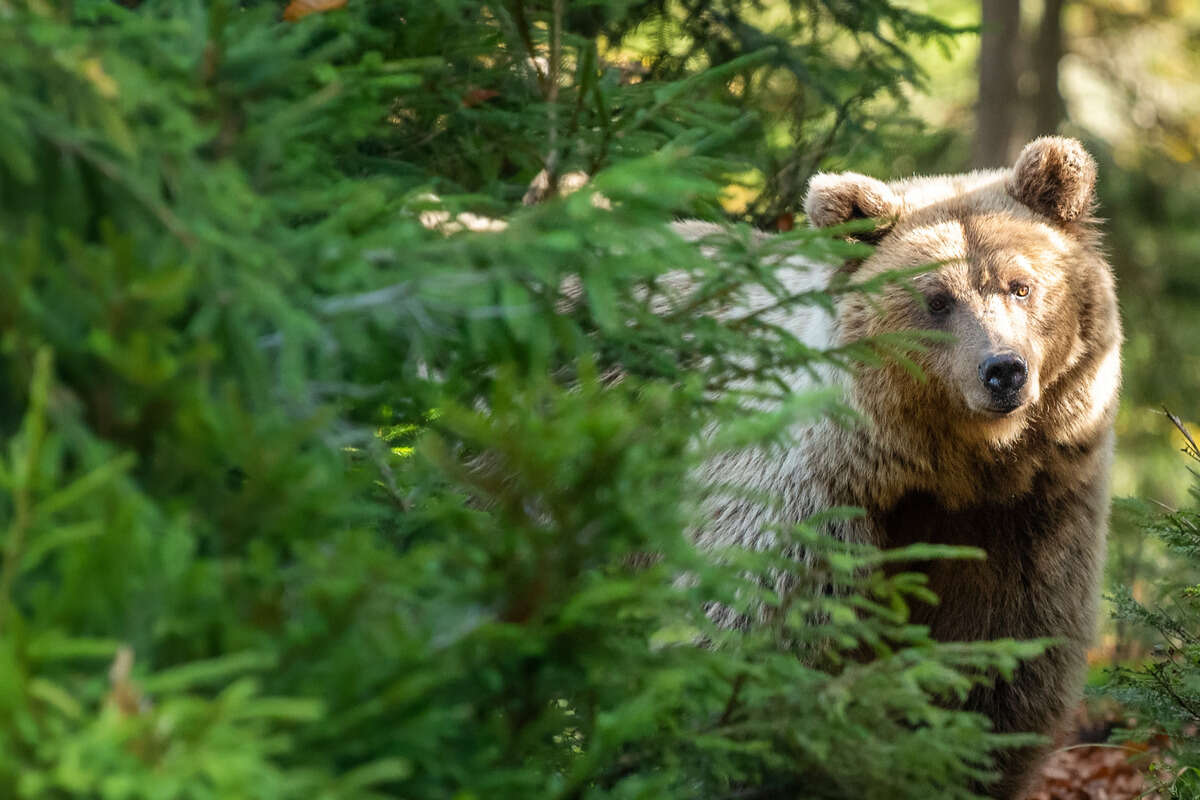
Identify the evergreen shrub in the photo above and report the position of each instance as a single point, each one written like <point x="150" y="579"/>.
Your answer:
<point x="310" y="491"/>
<point x="1162" y="692"/>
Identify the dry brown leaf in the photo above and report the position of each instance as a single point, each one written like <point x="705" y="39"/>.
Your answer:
<point x="476" y="96"/>
<point x="298" y="9"/>
<point x="123" y="693"/>
<point x="1089" y="771"/>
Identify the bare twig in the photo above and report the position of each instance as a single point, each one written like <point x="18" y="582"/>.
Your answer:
<point x="552" y="96"/>
<point x="522" y="24"/>
<point x="731" y="705"/>
<point x="1192" y="449"/>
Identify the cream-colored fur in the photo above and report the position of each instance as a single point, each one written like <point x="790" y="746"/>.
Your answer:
<point x="740" y="480"/>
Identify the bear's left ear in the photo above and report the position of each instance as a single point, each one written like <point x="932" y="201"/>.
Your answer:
<point x="1055" y="176"/>
<point x="834" y="199"/>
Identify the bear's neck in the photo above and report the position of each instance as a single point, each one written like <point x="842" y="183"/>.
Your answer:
<point x="877" y="465"/>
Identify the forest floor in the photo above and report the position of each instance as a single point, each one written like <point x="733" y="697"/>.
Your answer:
<point x="1089" y="769"/>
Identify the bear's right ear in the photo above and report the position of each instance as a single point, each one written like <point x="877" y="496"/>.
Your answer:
<point x="836" y="198"/>
<point x="1055" y="176"/>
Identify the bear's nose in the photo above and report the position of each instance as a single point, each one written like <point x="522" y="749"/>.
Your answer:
<point x="1003" y="374"/>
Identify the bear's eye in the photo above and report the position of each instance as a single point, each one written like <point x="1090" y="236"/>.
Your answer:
<point x="1019" y="289"/>
<point x="938" y="304"/>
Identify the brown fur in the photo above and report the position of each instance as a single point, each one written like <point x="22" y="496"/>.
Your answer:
<point x="936" y="464"/>
<point x="1055" y="176"/>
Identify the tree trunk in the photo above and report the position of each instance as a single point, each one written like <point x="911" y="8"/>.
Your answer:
<point x="995" y="117"/>
<point x="1048" y="105"/>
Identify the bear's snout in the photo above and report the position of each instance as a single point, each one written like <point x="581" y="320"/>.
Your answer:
<point x="1004" y="374"/>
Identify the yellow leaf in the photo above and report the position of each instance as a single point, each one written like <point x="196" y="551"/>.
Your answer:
<point x="93" y="70"/>
<point x="1178" y="148"/>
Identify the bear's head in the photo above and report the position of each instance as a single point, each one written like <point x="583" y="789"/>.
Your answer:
<point x="1021" y="287"/>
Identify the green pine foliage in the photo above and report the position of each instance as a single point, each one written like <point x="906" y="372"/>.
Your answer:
<point x="306" y="494"/>
<point x="1163" y="693"/>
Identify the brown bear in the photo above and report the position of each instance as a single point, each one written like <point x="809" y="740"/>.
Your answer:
<point x="1004" y="445"/>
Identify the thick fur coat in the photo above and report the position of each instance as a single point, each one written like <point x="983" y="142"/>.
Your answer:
<point x="1006" y="444"/>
